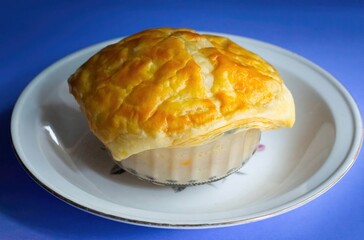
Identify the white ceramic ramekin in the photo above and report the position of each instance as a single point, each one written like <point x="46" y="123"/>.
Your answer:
<point x="194" y="165"/>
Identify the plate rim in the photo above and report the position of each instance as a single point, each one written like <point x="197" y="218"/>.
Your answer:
<point x="345" y="165"/>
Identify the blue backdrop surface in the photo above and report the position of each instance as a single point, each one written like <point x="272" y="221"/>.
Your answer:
<point x="34" y="34"/>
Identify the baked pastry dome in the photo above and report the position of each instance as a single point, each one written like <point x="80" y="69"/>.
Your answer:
<point x="176" y="88"/>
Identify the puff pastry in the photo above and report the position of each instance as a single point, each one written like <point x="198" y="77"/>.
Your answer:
<point x="175" y="87"/>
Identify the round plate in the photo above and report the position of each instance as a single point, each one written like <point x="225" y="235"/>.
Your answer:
<point x="292" y="166"/>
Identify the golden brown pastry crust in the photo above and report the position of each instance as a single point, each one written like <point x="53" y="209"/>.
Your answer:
<point x="174" y="87"/>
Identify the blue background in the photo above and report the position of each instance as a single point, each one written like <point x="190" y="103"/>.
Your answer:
<point x="34" y="34"/>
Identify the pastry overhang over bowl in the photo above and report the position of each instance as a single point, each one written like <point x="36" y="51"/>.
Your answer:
<point x="169" y="87"/>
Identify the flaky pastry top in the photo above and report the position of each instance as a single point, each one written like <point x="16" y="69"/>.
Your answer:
<point x="175" y="87"/>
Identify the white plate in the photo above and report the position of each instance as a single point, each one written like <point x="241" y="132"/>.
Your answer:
<point x="54" y="145"/>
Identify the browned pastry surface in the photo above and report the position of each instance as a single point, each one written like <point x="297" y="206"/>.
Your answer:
<point x="174" y="87"/>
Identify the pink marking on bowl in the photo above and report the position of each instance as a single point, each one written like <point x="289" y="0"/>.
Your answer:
<point x="261" y="147"/>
